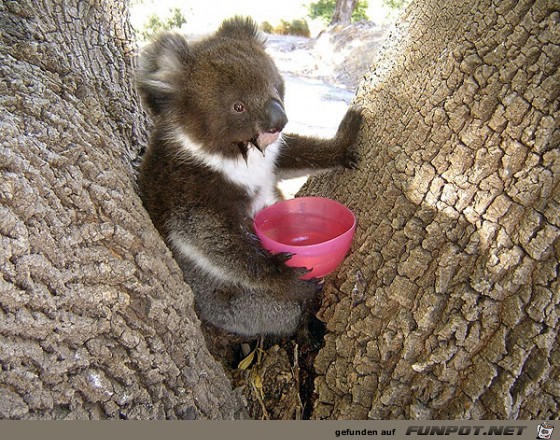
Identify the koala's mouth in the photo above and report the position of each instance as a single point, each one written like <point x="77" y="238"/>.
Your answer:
<point x="265" y="139"/>
<point x="260" y="141"/>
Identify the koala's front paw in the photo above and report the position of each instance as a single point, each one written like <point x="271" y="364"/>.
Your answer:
<point x="289" y="279"/>
<point x="347" y="135"/>
<point x="350" y="124"/>
<point x="306" y="291"/>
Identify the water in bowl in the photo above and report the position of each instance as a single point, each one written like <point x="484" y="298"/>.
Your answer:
<point x="288" y="229"/>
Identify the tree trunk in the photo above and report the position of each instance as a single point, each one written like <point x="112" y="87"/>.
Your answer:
<point x="343" y="10"/>
<point x="448" y="305"/>
<point x="445" y="309"/>
<point x="95" y="319"/>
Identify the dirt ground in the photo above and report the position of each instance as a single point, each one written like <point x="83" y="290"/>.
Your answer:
<point x="338" y="56"/>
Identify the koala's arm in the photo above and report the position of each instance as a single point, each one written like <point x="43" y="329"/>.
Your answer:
<point x="229" y="252"/>
<point x="302" y="155"/>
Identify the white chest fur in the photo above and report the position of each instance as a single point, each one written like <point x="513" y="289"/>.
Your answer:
<point x="256" y="175"/>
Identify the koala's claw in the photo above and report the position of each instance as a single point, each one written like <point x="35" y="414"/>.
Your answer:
<point x="318" y="282"/>
<point x="352" y="160"/>
<point x="284" y="256"/>
<point x="307" y="291"/>
<point x="301" y="271"/>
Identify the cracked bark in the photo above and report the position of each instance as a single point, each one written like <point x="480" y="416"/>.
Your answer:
<point x="447" y="306"/>
<point x="95" y="319"/>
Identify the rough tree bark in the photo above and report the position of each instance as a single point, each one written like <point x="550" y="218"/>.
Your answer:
<point x="343" y="10"/>
<point x="95" y="319"/>
<point x="445" y="309"/>
<point x="448" y="305"/>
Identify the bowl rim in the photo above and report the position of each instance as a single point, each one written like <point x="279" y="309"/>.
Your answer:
<point x="307" y="246"/>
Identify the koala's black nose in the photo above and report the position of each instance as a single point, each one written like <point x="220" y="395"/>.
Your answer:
<point x="276" y="118"/>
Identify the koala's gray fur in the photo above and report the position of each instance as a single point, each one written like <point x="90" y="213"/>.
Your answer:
<point x="214" y="159"/>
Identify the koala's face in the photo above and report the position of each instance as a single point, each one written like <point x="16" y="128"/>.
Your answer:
<point x="236" y="94"/>
<point x="224" y="92"/>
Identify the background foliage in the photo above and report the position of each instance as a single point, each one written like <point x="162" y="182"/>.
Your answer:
<point x="325" y="8"/>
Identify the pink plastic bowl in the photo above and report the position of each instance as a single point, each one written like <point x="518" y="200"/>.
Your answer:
<point x="316" y="230"/>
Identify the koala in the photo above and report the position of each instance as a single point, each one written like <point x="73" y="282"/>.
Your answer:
<point x="214" y="159"/>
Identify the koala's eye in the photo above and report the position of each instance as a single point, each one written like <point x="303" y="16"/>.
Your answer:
<point x="239" y="107"/>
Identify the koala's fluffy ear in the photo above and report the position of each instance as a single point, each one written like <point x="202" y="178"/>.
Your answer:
<point x="160" y="64"/>
<point x="241" y="28"/>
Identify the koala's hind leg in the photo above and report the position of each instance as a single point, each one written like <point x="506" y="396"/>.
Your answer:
<point x="248" y="313"/>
